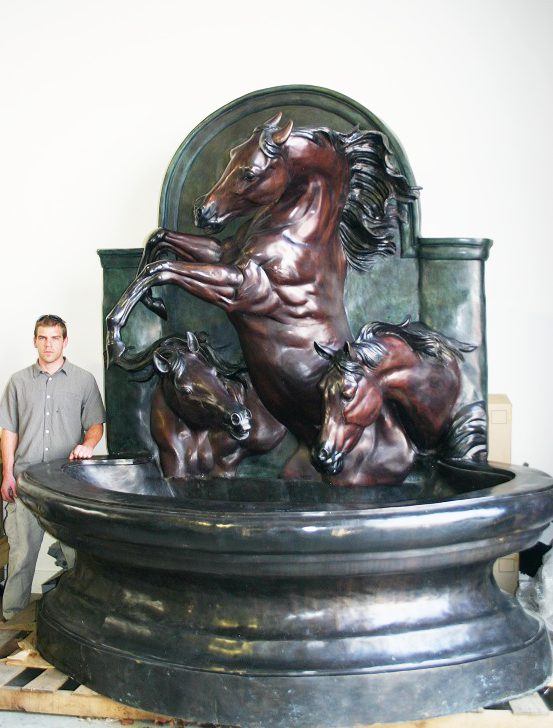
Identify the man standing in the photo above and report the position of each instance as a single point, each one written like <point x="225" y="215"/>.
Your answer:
<point x="52" y="409"/>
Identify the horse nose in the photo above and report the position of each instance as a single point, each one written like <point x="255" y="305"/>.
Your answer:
<point x="203" y="212"/>
<point x="327" y="460"/>
<point x="320" y="454"/>
<point x="239" y="423"/>
<point x="323" y="454"/>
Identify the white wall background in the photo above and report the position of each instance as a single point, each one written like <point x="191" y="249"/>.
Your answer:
<point x="97" y="95"/>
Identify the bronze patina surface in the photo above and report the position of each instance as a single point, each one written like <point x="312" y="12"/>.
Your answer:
<point x="291" y="604"/>
<point x="303" y="529"/>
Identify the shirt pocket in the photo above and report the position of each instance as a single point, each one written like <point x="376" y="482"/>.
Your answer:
<point x="67" y="403"/>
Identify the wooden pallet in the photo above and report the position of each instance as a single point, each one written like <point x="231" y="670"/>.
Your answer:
<point x="30" y="684"/>
<point x="4" y="551"/>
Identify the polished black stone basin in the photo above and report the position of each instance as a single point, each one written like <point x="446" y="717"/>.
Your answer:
<point x="281" y="603"/>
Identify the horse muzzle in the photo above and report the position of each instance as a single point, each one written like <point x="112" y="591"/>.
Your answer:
<point x="205" y="216"/>
<point x="327" y="460"/>
<point x="238" y="423"/>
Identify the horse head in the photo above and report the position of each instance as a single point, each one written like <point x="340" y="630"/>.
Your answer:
<point x="198" y="390"/>
<point x="351" y="401"/>
<point x="256" y="176"/>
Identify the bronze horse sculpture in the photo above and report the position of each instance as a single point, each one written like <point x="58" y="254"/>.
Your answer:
<point x="387" y="397"/>
<point x="316" y="201"/>
<point x="205" y="416"/>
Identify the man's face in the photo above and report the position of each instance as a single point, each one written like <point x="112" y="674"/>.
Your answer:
<point x="50" y="344"/>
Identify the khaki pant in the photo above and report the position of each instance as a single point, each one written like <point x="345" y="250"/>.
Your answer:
<point x="25" y="536"/>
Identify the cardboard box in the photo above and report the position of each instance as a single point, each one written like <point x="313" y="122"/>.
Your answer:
<point x="506" y="568"/>
<point x="499" y="428"/>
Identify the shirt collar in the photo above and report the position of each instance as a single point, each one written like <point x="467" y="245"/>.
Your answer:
<point x="65" y="368"/>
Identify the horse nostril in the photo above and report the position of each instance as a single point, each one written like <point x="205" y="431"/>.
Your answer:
<point x="235" y="419"/>
<point x="204" y="212"/>
<point x="200" y="214"/>
<point x="323" y="453"/>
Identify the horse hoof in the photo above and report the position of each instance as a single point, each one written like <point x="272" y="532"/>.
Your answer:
<point x="157" y="306"/>
<point x="115" y="349"/>
<point x="156" y="237"/>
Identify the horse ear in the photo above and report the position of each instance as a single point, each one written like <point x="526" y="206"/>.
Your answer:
<point x="161" y="363"/>
<point x="350" y="351"/>
<point x="280" y="136"/>
<point x="323" y="351"/>
<point x="273" y="121"/>
<point x="193" y="343"/>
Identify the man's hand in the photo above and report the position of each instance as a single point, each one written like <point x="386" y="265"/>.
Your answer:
<point x="8" y="445"/>
<point x="92" y="437"/>
<point x="9" y="488"/>
<point x="81" y="452"/>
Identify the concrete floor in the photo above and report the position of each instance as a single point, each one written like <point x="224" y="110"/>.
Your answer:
<point x="9" y="719"/>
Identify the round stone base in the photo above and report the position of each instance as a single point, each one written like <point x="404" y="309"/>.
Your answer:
<point x="279" y="604"/>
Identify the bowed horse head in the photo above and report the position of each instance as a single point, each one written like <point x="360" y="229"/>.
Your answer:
<point x="386" y="397"/>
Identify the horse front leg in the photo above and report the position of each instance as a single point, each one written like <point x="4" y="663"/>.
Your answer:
<point x="231" y="287"/>
<point x="188" y="247"/>
<point x="217" y="284"/>
<point x="118" y="316"/>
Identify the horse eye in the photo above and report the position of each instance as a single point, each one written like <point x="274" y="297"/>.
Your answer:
<point x="347" y="394"/>
<point x="248" y="175"/>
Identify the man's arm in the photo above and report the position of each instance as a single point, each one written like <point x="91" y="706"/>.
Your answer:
<point x="83" y="451"/>
<point x="8" y="445"/>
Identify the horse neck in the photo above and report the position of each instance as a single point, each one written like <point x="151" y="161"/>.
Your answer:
<point x="392" y="371"/>
<point x="399" y="356"/>
<point x="399" y="375"/>
<point x="319" y="184"/>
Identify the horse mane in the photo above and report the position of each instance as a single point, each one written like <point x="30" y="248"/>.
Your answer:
<point x="368" y="349"/>
<point x="342" y="361"/>
<point x="174" y="344"/>
<point x="377" y="190"/>
<point x="373" y="206"/>
<point x="230" y="370"/>
<point x="422" y="339"/>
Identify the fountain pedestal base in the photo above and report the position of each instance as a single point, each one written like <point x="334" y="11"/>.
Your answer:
<point x="279" y="604"/>
<point x="277" y="653"/>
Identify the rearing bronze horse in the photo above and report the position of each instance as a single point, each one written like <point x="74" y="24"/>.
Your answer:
<point x="318" y="200"/>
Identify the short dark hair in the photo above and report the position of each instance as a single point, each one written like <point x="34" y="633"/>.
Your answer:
<point x="50" y="319"/>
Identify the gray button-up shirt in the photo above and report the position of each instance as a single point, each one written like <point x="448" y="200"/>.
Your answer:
<point x="49" y="412"/>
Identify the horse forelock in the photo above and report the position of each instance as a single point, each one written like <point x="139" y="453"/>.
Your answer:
<point x="270" y="148"/>
<point x="370" y="351"/>
<point x="318" y="136"/>
<point x="344" y="364"/>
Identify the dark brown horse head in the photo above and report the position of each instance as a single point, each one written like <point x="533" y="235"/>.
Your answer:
<point x="351" y="401"/>
<point x="256" y="176"/>
<point x="198" y="391"/>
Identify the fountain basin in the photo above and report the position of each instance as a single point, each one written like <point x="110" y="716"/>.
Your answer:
<point x="263" y="602"/>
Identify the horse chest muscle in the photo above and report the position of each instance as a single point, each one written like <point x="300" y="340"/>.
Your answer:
<point x="285" y="261"/>
<point x="209" y="452"/>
